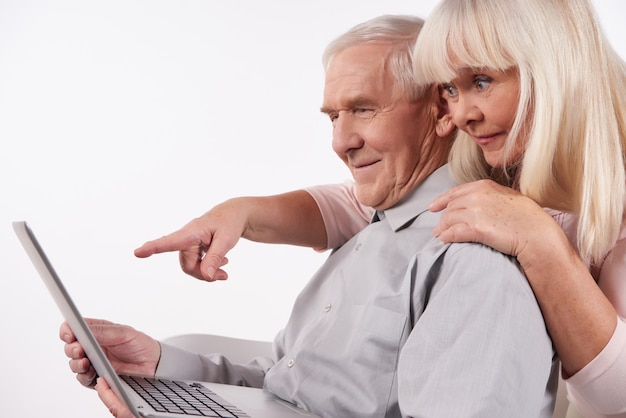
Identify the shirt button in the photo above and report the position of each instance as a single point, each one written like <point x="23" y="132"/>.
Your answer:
<point x="290" y="363"/>
<point x="328" y="307"/>
<point x="358" y="247"/>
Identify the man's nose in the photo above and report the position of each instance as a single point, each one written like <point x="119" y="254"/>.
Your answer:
<point x="346" y="134"/>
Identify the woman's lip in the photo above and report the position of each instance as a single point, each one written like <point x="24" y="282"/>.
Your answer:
<point x="484" y="139"/>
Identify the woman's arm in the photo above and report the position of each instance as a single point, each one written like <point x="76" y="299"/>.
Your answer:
<point x="599" y="386"/>
<point x="580" y="314"/>
<point x="343" y="215"/>
<point x="296" y="218"/>
<point x="289" y="218"/>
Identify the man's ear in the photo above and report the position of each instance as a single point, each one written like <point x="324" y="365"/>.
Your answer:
<point x="445" y="126"/>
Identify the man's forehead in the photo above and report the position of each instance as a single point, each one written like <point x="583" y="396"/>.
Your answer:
<point x="365" y="58"/>
<point x="357" y="75"/>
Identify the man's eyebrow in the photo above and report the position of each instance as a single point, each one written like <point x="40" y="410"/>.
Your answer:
<point x="326" y="110"/>
<point x="355" y="103"/>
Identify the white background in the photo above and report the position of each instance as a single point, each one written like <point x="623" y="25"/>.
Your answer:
<point x="121" y="120"/>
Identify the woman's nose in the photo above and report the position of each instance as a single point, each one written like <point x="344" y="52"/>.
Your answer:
<point x="465" y="111"/>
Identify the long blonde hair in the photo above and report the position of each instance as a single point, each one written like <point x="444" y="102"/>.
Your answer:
<point x="572" y="90"/>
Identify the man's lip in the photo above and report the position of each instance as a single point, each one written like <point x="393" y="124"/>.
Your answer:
<point x="364" y="164"/>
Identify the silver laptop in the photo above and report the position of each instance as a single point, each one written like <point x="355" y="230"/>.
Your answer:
<point x="178" y="396"/>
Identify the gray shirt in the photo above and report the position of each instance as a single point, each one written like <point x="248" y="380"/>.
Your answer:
<point x="396" y="323"/>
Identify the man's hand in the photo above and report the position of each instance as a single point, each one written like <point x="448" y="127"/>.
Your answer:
<point x="129" y="351"/>
<point x="117" y="408"/>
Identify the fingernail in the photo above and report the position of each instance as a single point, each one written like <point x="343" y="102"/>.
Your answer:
<point x="210" y="272"/>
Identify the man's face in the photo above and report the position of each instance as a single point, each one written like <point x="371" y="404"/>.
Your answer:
<point x="387" y="142"/>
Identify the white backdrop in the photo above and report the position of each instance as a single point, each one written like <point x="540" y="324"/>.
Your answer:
<point x="120" y="120"/>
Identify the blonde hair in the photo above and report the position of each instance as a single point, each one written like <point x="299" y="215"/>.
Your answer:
<point x="572" y="91"/>
<point x="401" y="31"/>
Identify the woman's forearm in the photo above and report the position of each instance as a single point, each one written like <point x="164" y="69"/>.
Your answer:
<point x="578" y="315"/>
<point x="288" y="218"/>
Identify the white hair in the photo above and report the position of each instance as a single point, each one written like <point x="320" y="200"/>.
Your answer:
<point x="399" y="30"/>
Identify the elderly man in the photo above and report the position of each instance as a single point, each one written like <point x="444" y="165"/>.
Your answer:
<point x="395" y="323"/>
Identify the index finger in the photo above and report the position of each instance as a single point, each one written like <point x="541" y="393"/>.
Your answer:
<point x="441" y="201"/>
<point x="67" y="335"/>
<point x="457" y="192"/>
<point x="176" y="241"/>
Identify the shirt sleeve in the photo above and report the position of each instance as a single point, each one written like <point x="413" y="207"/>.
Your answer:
<point x="343" y="215"/>
<point x="598" y="389"/>
<point x="480" y="347"/>
<point x="611" y="277"/>
<point x="176" y="363"/>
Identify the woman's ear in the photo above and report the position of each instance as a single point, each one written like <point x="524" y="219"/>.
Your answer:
<point x="445" y="125"/>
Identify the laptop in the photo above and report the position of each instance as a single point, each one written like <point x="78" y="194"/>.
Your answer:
<point x="138" y="391"/>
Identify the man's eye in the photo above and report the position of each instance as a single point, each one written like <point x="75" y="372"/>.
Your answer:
<point x="363" y="113"/>
<point x="333" y="116"/>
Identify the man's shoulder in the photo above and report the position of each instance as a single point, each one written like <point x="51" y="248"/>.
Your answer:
<point x="471" y="261"/>
<point x="475" y="269"/>
<point x="475" y="252"/>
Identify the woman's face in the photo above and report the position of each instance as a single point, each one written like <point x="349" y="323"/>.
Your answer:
<point x="483" y="104"/>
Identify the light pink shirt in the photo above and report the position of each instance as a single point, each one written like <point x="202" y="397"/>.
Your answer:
<point x="599" y="389"/>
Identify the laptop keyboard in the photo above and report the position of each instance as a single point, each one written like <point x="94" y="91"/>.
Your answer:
<point x="182" y="398"/>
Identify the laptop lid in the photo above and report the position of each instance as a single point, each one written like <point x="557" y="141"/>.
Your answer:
<point x="257" y="403"/>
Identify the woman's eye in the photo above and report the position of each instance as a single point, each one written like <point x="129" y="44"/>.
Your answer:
<point x="448" y="90"/>
<point x="482" y="83"/>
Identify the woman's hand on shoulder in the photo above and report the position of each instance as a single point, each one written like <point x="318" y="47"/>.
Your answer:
<point x="498" y="216"/>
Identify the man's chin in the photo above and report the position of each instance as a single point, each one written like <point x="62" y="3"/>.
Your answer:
<point x="367" y="196"/>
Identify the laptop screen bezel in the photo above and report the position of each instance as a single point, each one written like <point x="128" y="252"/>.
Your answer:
<point x="70" y="312"/>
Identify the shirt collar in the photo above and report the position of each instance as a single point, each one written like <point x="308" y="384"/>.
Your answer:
<point x="417" y="201"/>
